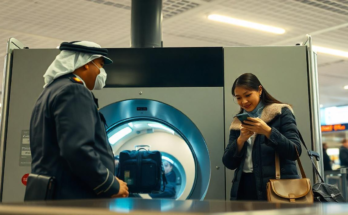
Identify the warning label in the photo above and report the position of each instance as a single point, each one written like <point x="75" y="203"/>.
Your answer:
<point x="25" y="153"/>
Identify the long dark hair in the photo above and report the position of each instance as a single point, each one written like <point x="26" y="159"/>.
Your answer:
<point x="251" y="82"/>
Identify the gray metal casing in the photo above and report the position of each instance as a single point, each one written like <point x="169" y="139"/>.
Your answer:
<point x="26" y="86"/>
<point x="204" y="106"/>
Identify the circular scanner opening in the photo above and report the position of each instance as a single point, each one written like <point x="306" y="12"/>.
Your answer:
<point x="177" y="157"/>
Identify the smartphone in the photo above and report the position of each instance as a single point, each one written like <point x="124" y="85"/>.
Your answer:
<point x="242" y="116"/>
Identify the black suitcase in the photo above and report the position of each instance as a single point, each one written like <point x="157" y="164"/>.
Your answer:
<point x="141" y="170"/>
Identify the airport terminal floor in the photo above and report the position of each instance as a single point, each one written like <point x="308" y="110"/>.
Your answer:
<point x="166" y="206"/>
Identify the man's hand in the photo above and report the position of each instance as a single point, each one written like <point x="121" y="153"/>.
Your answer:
<point x="123" y="192"/>
<point x="258" y="126"/>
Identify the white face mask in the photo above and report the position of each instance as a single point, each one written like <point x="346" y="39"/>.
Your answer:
<point x="100" y="79"/>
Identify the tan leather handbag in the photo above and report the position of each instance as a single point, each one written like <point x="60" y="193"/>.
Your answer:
<point x="289" y="190"/>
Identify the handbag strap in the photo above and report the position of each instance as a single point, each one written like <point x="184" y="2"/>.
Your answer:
<point x="277" y="165"/>
<point x="300" y="164"/>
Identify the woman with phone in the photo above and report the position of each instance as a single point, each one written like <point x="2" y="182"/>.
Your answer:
<point x="269" y="128"/>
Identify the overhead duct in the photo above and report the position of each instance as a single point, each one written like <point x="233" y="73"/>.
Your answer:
<point x="146" y="24"/>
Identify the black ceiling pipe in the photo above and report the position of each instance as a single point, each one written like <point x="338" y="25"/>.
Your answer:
<point x="146" y="24"/>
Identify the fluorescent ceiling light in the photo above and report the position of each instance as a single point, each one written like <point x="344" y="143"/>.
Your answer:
<point x="345" y="87"/>
<point x="156" y="125"/>
<point x="330" y="51"/>
<point x="119" y="135"/>
<point x="246" y="24"/>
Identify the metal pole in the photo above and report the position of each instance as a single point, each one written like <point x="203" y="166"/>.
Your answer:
<point x="146" y="23"/>
<point x="344" y="183"/>
<point x="11" y="44"/>
<point x="314" y="104"/>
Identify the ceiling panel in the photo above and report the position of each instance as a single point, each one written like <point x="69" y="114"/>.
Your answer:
<point x="47" y="23"/>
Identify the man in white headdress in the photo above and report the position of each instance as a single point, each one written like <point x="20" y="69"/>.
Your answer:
<point x="69" y="146"/>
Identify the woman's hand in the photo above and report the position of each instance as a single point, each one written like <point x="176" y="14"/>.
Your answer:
<point x="258" y="126"/>
<point x="245" y="134"/>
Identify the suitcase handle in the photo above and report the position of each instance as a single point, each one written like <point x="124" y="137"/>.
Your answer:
<point x="140" y="147"/>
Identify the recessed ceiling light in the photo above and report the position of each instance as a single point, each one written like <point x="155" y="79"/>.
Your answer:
<point x="246" y="24"/>
<point x="330" y="51"/>
<point x="346" y="87"/>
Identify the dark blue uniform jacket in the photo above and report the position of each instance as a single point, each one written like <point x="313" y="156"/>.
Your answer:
<point x="68" y="141"/>
<point x="283" y="140"/>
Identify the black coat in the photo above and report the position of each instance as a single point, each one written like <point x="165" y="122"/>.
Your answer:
<point x="343" y="156"/>
<point x="283" y="140"/>
<point x="68" y="141"/>
<point x="327" y="161"/>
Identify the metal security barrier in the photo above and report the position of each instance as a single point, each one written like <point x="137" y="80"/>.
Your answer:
<point x="338" y="178"/>
<point x="344" y="182"/>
